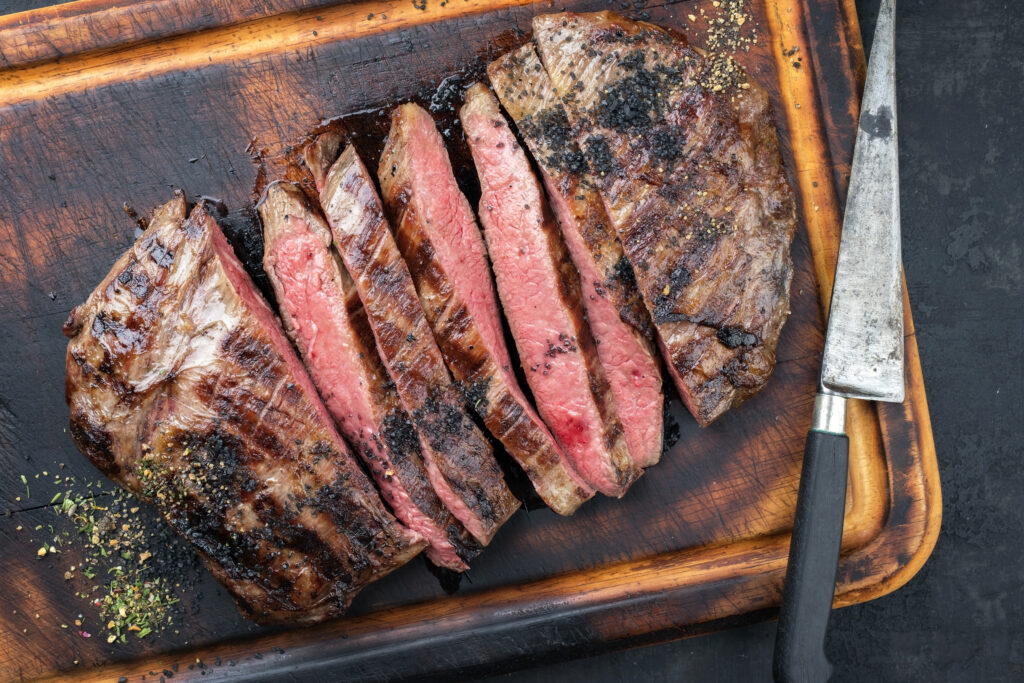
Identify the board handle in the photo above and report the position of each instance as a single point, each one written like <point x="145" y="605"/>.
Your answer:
<point x="813" y="559"/>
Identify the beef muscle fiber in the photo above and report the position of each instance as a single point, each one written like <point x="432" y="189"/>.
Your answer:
<point x="615" y="310"/>
<point x="540" y="293"/>
<point x="322" y="314"/>
<point x="439" y="238"/>
<point x="458" y="457"/>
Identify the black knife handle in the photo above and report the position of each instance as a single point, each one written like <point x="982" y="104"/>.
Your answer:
<point x="813" y="559"/>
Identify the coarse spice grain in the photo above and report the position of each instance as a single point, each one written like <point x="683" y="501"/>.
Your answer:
<point x="729" y="28"/>
<point x="123" y="562"/>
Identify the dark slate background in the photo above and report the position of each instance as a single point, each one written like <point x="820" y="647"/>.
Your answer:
<point x="960" y="67"/>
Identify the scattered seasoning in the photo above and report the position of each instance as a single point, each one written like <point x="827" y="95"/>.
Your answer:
<point x="724" y="37"/>
<point x="128" y="568"/>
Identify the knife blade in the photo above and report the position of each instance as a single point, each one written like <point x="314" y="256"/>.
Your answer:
<point x="863" y="359"/>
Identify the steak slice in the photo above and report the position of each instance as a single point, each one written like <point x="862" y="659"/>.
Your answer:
<point x="615" y="310"/>
<point x="322" y="314"/>
<point x="183" y="389"/>
<point x="540" y="292"/>
<point x="439" y="238"/>
<point x="689" y="169"/>
<point x="458" y="457"/>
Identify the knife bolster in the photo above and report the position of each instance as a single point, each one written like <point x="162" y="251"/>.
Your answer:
<point x="829" y="414"/>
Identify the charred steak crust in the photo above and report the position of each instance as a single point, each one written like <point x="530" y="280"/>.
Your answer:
<point x="615" y="310"/>
<point x="458" y="457"/>
<point x="184" y="390"/>
<point x="323" y="315"/>
<point x="540" y="292"/>
<point x="690" y="173"/>
<point x="426" y="207"/>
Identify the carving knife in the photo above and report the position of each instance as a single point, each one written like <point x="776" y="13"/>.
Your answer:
<point x="863" y="359"/>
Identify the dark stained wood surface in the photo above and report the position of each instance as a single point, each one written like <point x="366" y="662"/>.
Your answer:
<point x="699" y="542"/>
<point x="91" y="25"/>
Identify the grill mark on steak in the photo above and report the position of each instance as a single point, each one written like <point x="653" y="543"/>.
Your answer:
<point x="540" y="292"/>
<point x="692" y="179"/>
<point x="208" y="414"/>
<point x="323" y="315"/>
<point x="458" y="458"/>
<point x="437" y="234"/>
<point x="615" y="310"/>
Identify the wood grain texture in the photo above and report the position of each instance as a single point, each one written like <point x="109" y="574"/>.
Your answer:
<point x="91" y="25"/>
<point x="699" y="543"/>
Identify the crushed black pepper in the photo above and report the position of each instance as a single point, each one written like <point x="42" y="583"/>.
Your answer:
<point x="566" y="344"/>
<point x="553" y="137"/>
<point x="599" y="154"/>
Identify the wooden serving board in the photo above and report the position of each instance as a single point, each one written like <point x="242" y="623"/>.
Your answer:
<point x="103" y="102"/>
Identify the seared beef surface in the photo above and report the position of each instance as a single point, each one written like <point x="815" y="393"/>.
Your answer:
<point x="458" y="457"/>
<point x="184" y="390"/>
<point x="323" y="315"/>
<point x="688" y="167"/>
<point x="540" y="293"/>
<point x="615" y="310"/>
<point x="437" y="234"/>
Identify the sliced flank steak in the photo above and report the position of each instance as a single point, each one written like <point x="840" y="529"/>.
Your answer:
<point x="322" y="314"/>
<point x="458" y="456"/>
<point x="439" y="238"/>
<point x="615" y="310"/>
<point x="685" y="155"/>
<point x="540" y="294"/>
<point x="184" y="390"/>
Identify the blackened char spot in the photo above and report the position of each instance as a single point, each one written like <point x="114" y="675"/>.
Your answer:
<point x="623" y="275"/>
<point x="127" y="338"/>
<point x="135" y="281"/>
<point x="441" y="420"/>
<point x="476" y="395"/>
<point x="734" y="336"/>
<point x="679" y="278"/>
<point x="161" y="255"/>
<point x="664" y="302"/>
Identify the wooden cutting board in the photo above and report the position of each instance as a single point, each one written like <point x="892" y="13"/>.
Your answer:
<point x="103" y="103"/>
